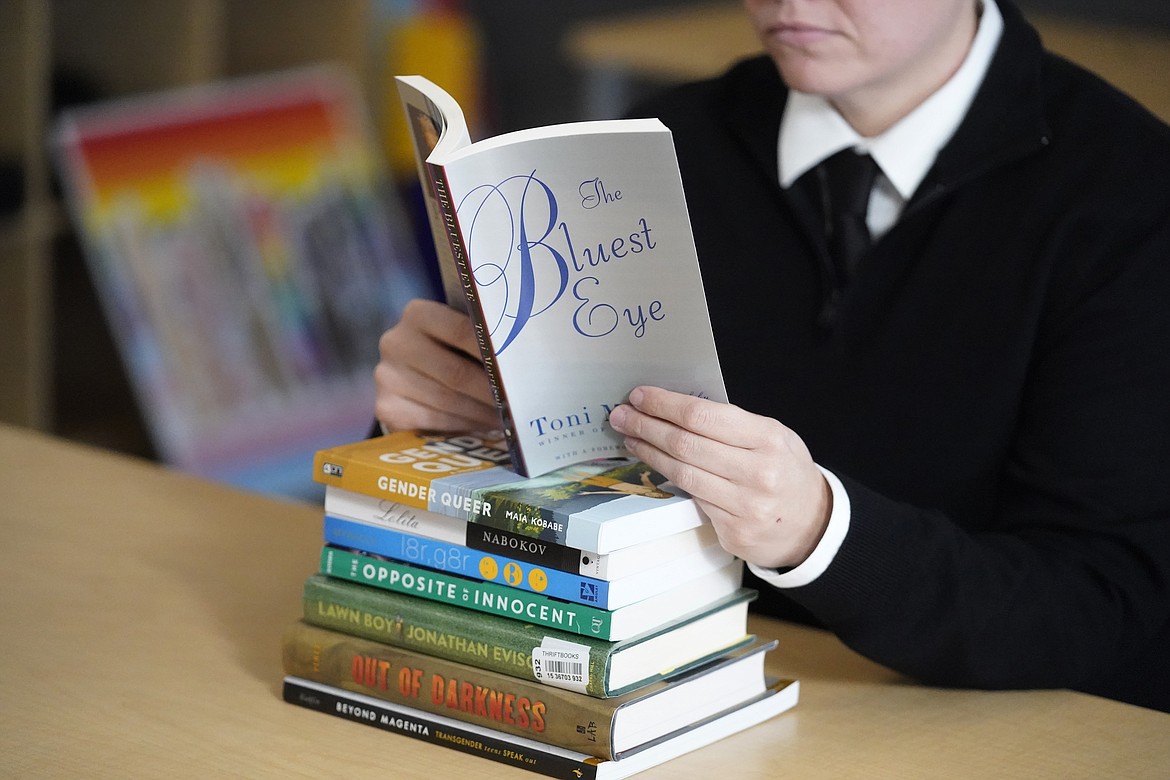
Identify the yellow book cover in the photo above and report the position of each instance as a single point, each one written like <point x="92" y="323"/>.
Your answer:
<point x="599" y="506"/>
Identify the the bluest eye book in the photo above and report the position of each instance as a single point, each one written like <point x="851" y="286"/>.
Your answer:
<point x="570" y="247"/>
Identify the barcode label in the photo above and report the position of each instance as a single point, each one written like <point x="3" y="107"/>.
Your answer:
<point x="562" y="664"/>
<point x="570" y="671"/>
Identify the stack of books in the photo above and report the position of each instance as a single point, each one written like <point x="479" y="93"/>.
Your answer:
<point x="537" y="597"/>
<point x="583" y="623"/>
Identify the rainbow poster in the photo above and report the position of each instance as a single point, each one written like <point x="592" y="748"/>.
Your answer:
<point x="248" y="254"/>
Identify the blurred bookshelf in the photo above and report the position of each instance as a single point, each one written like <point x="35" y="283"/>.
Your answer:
<point x="60" y="370"/>
<point x="541" y="62"/>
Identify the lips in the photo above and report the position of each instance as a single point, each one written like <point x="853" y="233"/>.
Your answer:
<point x="798" y="35"/>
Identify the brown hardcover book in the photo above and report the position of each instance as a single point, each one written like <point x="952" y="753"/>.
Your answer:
<point x="607" y="728"/>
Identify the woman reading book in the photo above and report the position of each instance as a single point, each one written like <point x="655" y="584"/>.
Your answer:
<point x="949" y="441"/>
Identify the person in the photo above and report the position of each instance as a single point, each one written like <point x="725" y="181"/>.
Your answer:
<point x="955" y="456"/>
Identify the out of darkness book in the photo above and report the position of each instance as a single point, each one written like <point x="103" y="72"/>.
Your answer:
<point x="601" y="727"/>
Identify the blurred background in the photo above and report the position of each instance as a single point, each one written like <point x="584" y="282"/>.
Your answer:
<point x="65" y="367"/>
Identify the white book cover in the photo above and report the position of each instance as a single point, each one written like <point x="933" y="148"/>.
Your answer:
<point x="631" y="562"/>
<point x="573" y="254"/>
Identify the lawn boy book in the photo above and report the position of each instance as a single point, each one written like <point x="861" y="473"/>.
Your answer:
<point x="537" y="757"/>
<point x="606" y="728"/>
<point x="599" y="506"/>
<point x="610" y="624"/>
<point x="520" y="649"/>
<point x="570" y="247"/>
<point x="459" y="559"/>
<point x="620" y="564"/>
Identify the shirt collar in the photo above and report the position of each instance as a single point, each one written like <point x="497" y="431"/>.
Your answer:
<point x="811" y="129"/>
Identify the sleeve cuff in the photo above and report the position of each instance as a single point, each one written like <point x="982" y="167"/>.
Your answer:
<point x="816" y="564"/>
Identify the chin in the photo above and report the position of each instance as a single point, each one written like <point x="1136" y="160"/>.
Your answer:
<point x="815" y="77"/>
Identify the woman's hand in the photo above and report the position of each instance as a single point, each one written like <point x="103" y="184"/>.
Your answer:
<point x="753" y="477"/>
<point x="429" y="375"/>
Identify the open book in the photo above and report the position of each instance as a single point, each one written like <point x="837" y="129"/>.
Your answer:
<point x="570" y="247"/>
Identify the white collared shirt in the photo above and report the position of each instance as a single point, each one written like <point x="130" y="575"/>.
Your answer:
<point x="812" y="130"/>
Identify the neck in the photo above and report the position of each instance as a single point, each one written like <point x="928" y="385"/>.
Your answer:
<point x="876" y="107"/>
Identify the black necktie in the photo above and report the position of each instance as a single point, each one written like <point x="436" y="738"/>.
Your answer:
<point x="848" y="180"/>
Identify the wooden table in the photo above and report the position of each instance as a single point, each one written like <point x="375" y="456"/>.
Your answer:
<point x="140" y="621"/>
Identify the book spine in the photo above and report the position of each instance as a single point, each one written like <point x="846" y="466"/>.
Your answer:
<point x="500" y="644"/>
<point x="471" y="594"/>
<point x="522" y="518"/>
<point x="371" y="480"/>
<point x="466" y="562"/>
<point x="413" y="469"/>
<point x="454" y="232"/>
<point x="442" y="732"/>
<point x="386" y="513"/>
<point x="507" y="704"/>
<point x="535" y="551"/>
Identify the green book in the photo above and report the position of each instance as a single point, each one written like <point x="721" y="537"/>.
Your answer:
<point x="517" y="648"/>
<point x="612" y="625"/>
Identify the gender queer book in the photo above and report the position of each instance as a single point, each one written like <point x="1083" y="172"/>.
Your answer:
<point x="570" y="247"/>
<point x="632" y="561"/>
<point x="606" y="728"/>
<point x="537" y="757"/>
<point x="459" y="559"/>
<point x="600" y="505"/>
<point x="517" y="648"/>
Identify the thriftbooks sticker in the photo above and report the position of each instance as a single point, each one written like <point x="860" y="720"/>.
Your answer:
<point x="563" y="664"/>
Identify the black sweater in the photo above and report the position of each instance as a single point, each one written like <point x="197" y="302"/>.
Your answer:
<point x="993" y="388"/>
